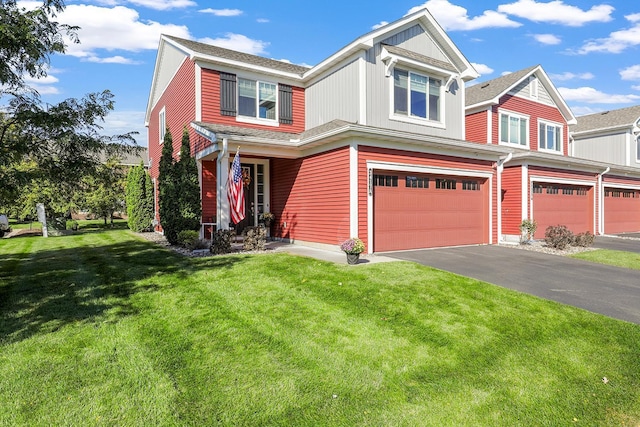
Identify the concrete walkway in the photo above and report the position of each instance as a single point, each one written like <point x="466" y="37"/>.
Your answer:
<point x="612" y="291"/>
<point x="336" y="256"/>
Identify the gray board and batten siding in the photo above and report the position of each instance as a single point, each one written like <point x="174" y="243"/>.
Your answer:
<point x="523" y="90"/>
<point x="611" y="148"/>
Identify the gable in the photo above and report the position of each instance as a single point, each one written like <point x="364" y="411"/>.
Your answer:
<point x="168" y="62"/>
<point x="526" y="89"/>
<point x="415" y="39"/>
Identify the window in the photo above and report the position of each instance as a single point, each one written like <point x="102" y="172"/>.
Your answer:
<point x="416" y="182"/>
<point x="256" y="99"/>
<point x="638" y="149"/>
<point x="514" y="129"/>
<point x="550" y="137"/>
<point x="446" y="184"/>
<point x="416" y="95"/>
<point x="385" y="180"/>
<point x="537" y="188"/>
<point x="552" y="190"/>
<point x="470" y="185"/>
<point x="162" y="124"/>
<point x="567" y="191"/>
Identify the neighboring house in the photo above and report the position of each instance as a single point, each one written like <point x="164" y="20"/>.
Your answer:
<point x="613" y="137"/>
<point x="541" y="180"/>
<point x="368" y="143"/>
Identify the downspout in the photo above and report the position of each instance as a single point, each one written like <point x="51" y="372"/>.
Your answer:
<point x="499" y="170"/>
<point x="601" y="202"/>
<point x="221" y="180"/>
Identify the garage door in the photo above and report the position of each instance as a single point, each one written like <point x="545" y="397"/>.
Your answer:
<point x="568" y="205"/>
<point x="412" y="211"/>
<point x="621" y="210"/>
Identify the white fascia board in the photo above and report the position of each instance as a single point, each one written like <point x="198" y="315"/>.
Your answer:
<point x="394" y="59"/>
<point x="605" y="130"/>
<point x="482" y="105"/>
<point x="243" y="65"/>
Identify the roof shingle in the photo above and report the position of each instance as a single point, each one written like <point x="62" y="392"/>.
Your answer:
<point x="490" y="89"/>
<point x="607" y="119"/>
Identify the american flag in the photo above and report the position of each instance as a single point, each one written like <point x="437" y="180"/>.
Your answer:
<point x="235" y="191"/>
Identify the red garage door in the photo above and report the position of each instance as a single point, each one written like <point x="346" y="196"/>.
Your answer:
<point x="568" y="205"/>
<point x="621" y="210"/>
<point x="412" y="211"/>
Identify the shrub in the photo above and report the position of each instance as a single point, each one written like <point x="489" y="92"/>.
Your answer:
<point x="255" y="238"/>
<point x="527" y="230"/>
<point x="189" y="239"/>
<point x="139" y="199"/>
<point x="558" y="236"/>
<point x="584" y="239"/>
<point x="221" y="242"/>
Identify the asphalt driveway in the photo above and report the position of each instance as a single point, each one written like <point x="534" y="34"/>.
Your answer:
<point x="612" y="291"/>
<point x="618" y="244"/>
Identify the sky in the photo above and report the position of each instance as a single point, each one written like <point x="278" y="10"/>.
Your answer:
<point x="589" y="49"/>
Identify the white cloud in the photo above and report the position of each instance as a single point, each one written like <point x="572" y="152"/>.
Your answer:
<point x="164" y="4"/>
<point x="557" y="12"/>
<point x="222" y="12"/>
<point x="504" y="73"/>
<point x="238" y="42"/>
<point x="635" y="87"/>
<point x="571" y="76"/>
<point x="547" y="39"/>
<point x="584" y="110"/>
<point x="617" y="40"/>
<point x="482" y="69"/>
<point x="117" y="28"/>
<point x="120" y="122"/>
<point x="630" y="73"/>
<point x="112" y="60"/>
<point x="590" y="95"/>
<point x="44" y="85"/>
<point x="379" y="25"/>
<point x="452" y="17"/>
<point x="262" y="20"/>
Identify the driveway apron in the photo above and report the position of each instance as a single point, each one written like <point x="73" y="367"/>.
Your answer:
<point x="618" y="244"/>
<point x="612" y="291"/>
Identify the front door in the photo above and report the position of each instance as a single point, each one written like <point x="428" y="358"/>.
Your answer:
<point x="248" y="176"/>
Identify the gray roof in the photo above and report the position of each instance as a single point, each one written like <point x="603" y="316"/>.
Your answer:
<point x="607" y="119"/>
<point x="418" y="57"/>
<point x="211" y="50"/>
<point x="482" y="92"/>
<point x="273" y="135"/>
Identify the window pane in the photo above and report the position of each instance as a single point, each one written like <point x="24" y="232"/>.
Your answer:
<point x="400" y="100"/>
<point x="267" y="101"/>
<point x="418" y="95"/>
<point x="523" y="131"/>
<point x="551" y="137"/>
<point x="638" y="149"/>
<point x="558" y="138"/>
<point x="514" y="130"/>
<point x="434" y="99"/>
<point x="247" y="97"/>
<point x="504" y="128"/>
<point x="542" y="135"/>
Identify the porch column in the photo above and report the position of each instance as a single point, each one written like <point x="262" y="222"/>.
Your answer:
<point x="222" y="175"/>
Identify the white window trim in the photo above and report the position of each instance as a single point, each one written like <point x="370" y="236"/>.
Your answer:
<point x="637" y="148"/>
<point x="257" y="120"/>
<point x="413" y="119"/>
<point x="521" y="116"/>
<point x="550" y="123"/>
<point x="533" y="87"/>
<point x="162" y="124"/>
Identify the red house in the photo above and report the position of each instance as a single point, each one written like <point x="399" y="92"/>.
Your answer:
<point x="539" y="180"/>
<point x="368" y="143"/>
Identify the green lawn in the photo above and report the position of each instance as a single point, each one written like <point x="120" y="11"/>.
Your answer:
<point x="610" y="257"/>
<point x="103" y="328"/>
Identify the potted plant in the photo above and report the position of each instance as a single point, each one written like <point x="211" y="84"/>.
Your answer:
<point x="353" y="247"/>
<point x="267" y="218"/>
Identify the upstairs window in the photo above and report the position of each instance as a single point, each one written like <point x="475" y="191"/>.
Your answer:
<point x="257" y="99"/>
<point x="550" y="137"/>
<point x="638" y="149"/>
<point x="162" y="124"/>
<point x="514" y="129"/>
<point x="416" y="95"/>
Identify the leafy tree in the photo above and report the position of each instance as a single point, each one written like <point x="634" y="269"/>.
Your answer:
<point x="168" y="187"/>
<point x="189" y="195"/>
<point x="105" y="190"/>
<point x="139" y="198"/>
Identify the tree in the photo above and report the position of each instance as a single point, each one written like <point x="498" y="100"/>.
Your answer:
<point x="139" y="198"/>
<point x="168" y="187"/>
<point x="59" y="144"/>
<point x="189" y="195"/>
<point x="105" y="190"/>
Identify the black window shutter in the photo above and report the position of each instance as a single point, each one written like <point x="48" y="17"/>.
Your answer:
<point x="285" y="98"/>
<point x="227" y="94"/>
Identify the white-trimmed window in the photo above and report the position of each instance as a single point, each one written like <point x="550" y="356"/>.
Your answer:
<point x="514" y="129"/>
<point x="162" y="124"/>
<point x="638" y="149"/>
<point x="417" y="95"/>
<point x="549" y="137"/>
<point x="257" y="99"/>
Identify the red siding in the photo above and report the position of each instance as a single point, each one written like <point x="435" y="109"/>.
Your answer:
<point x="312" y="196"/>
<point x="511" y="200"/>
<point x="562" y="174"/>
<point x="366" y="153"/>
<point x="535" y="111"/>
<point x="209" y="189"/>
<point x="179" y="102"/>
<point x="476" y="127"/>
<point x="211" y="106"/>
